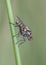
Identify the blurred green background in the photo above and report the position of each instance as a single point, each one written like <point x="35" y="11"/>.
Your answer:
<point x="33" y="13"/>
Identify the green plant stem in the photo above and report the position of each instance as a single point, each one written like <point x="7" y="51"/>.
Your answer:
<point x="11" y="20"/>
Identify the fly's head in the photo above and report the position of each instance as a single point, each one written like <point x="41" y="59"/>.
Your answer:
<point x="29" y="34"/>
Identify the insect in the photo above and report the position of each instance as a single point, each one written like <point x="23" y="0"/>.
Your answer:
<point x="23" y="29"/>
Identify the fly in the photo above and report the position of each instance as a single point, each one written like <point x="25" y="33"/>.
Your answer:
<point x="23" y="29"/>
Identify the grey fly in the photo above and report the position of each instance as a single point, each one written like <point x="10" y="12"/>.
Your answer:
<point x="23" y="29"/>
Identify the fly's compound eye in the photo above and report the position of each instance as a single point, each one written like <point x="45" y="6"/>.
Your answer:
<point x="31" y="36"/>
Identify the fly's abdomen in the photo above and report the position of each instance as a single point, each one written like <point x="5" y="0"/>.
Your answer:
<point x="18" y="21"/>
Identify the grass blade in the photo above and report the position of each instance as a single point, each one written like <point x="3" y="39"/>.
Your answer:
<point x="11" y="20"/>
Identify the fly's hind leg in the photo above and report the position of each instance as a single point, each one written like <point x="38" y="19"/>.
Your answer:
<point x="20" y="42"/>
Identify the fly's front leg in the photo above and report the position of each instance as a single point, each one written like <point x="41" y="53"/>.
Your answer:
<point x="18" y="32"/>
<point x="14" y="24"/>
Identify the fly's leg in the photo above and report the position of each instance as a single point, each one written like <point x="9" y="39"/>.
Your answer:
<point x="20" y="42"/>
<point x="14" y="24"/>
<point x="16" y="34"/>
